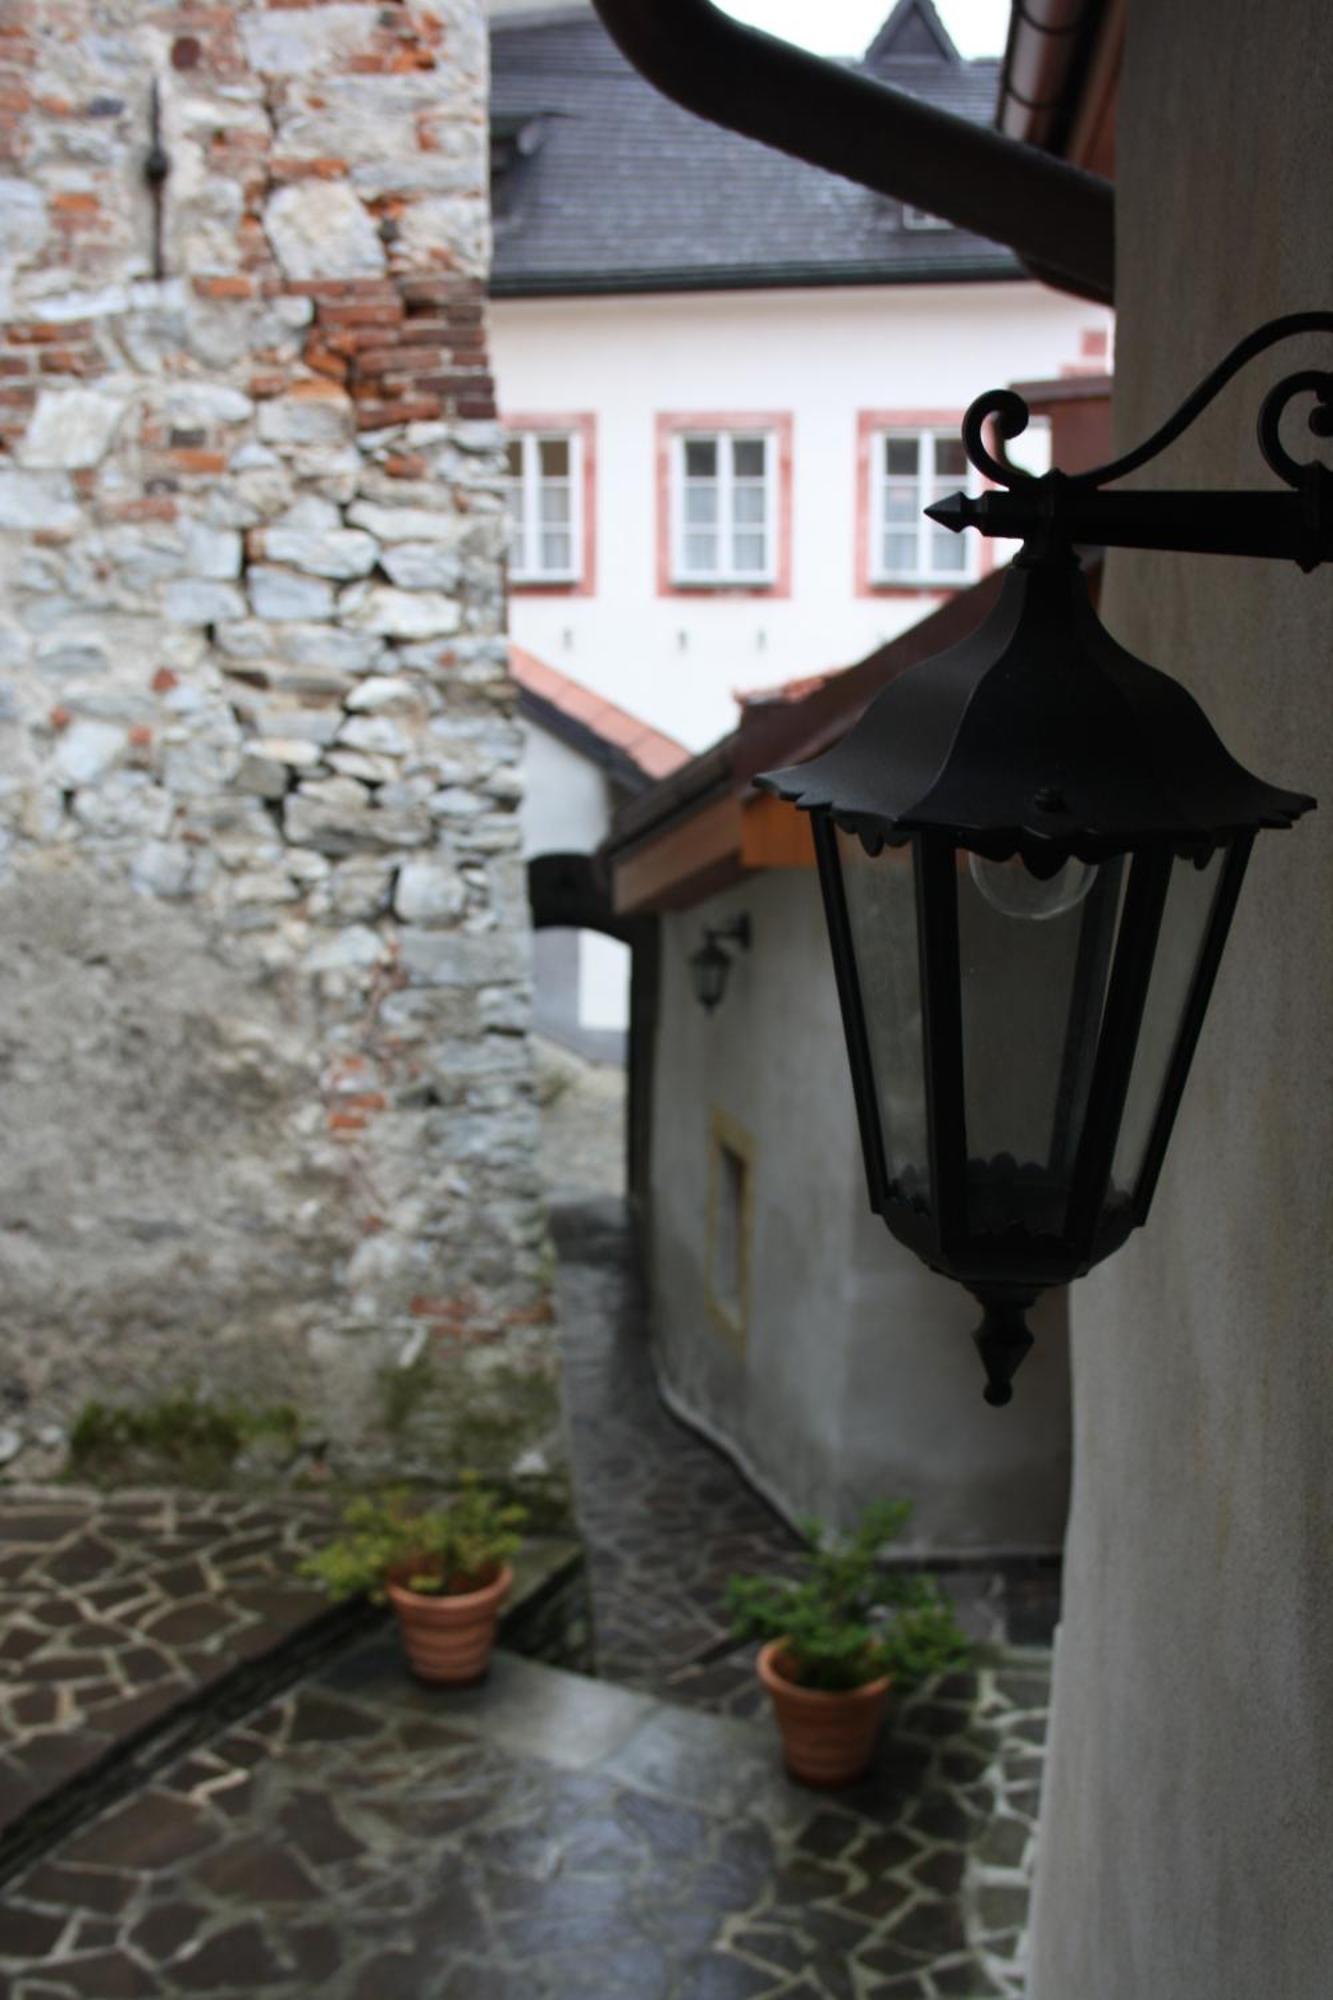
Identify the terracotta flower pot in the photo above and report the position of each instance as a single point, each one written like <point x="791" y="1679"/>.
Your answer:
<point x="827" y="1739"/>
<point x="449" y="1639"/>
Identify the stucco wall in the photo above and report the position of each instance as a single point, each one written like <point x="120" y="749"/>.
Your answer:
<point x="856" y="1378"/>
<point x="1188" y="1817"/>
<point x="821" y="356"/>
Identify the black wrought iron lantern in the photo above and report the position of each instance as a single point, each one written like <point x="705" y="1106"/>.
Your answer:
<point x="1030" y="849"/>
<point x="710" y="965"/>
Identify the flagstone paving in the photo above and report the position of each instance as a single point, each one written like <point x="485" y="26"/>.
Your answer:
<point x="543" y="1835"/>
<point x="116" y="1607"/>
<point x="546" y="1836"/>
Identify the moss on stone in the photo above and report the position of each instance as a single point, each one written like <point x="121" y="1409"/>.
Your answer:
<point x="180" y="1439"/>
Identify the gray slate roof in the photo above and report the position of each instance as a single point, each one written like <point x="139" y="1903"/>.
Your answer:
<point x="602" y="184"/>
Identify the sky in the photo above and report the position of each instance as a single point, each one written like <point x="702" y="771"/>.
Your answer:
<point x="844" y="27"/>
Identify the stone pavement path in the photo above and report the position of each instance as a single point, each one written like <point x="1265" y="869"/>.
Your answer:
<point x="115" y="1608"/>
<point x="665" y="1519"/>
<point x="360" y="1837"/>
<point x="547" y="1837"/>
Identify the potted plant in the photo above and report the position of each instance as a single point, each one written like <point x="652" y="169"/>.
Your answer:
<point x="444" y="1569"/>
<point x="838" y="1638"/>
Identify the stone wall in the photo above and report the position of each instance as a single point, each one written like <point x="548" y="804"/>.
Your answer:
<point x="263" y="995"/>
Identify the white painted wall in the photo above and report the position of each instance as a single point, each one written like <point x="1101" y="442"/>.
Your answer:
<point x="566" y="809"/>
<point x="1187" y="1814"/>
<point x="858" y="1378"/>
<point x="566" y="803"/>
<point x="823" y="355"/>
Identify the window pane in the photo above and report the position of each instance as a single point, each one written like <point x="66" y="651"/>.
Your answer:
<point x="555" y="549"/>
<point x="1035" y="958"/>
<point x="701" y="458"/>
<point x="881" y="911"/>
<point x="700" y="506"/>
<point x="901" y="455"/>
<point x="900" y="554"/>
<point x="747" y="458"/>
<point x="700" y="552"/>
<point x="901" y="504"/>
<point x="948" y="552"/>
<point x="749" y="552"/>
<point x="950" y="458"/>
<point x="554" y="506"/>
<point x="1189" y="905"/>
<point x="748" y="506"/>
<point x="514" y="457"/>
<point x="554" y="457"/>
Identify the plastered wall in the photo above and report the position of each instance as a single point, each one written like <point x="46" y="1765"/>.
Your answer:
<point x="1187" y="1822"/>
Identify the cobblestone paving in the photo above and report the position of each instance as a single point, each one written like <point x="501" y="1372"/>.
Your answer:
<point x="114" y="1607"/>
<point x="545" y="1837"/>
<point x="665" y="1519"/>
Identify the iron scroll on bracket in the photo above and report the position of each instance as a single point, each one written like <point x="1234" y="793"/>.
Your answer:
<point x="1075" y="508"/>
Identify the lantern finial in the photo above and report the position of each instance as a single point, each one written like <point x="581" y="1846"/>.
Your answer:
<point x="1002" y="1341"/>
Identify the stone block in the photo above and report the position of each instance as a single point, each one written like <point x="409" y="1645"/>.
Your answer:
<point x="293" y="43"/>
<point x="285" y="594"/>
<point x="320" y="229"/>
<point x="429" y="891"/>
<point x="36" y="502"/>
<point x="71" y="429"/>
<point x="385" y="691"/>
<point x="399" y="614"/>
<point x="212" y="552"/>
<point x="202" y="601"/>
<point x="342" y="553"/>
<point x="87" y="752"/>
<point x="375" y="732"/>
<point x="404" y="524"/>
<point x="313" y="413"/>
<point x="423" y="566"/>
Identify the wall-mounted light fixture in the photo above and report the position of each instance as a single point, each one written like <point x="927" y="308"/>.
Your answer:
<point x="1030" y="850"/>
<point x="710" y="966"/>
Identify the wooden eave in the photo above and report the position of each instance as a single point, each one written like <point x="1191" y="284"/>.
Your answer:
<point x="706" y="827"/>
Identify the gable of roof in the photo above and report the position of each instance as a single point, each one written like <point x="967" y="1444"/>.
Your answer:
<point x="615" y="188"/>
<point x="913" y="32"/>
<point x="633" y="754"/>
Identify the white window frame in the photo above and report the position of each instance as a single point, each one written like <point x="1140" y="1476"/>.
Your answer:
<point x="529" y="486"/>
<point x="725" y="573"/>
<point x="924" y="575"/>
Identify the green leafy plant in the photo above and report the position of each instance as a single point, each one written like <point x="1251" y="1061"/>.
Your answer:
<point x="848" y="1620"/>
<point x="439" y="1551"/>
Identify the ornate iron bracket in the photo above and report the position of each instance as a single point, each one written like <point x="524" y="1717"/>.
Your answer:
<point x="1073" y="508"/>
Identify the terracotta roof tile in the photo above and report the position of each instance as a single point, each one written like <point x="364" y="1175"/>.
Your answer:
<point x="655" y="753"/>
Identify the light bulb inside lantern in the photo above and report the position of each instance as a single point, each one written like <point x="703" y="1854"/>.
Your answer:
<point x="1013" y="890"/>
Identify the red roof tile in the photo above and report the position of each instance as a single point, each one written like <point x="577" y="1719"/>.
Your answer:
<point x="655" y="753"/>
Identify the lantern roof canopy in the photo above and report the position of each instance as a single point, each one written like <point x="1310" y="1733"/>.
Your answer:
<point x="1038" y="735"/>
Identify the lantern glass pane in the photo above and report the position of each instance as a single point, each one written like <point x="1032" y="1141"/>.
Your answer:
<point x="1035" y="960"/>
<point x="1190" y="897"/>
<point x="880" y="894"/>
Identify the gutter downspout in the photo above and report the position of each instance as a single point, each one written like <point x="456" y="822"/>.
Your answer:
<point x="1057" y="218"/>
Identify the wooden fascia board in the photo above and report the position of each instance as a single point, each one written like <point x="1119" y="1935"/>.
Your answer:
<point x="710" y="851"/>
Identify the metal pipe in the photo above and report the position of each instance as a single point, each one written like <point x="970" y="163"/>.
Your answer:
<point x="1054" y="216"/>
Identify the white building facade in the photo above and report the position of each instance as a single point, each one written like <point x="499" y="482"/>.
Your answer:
<point x="731" y="381"/>
<point x="845" y="400"/>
